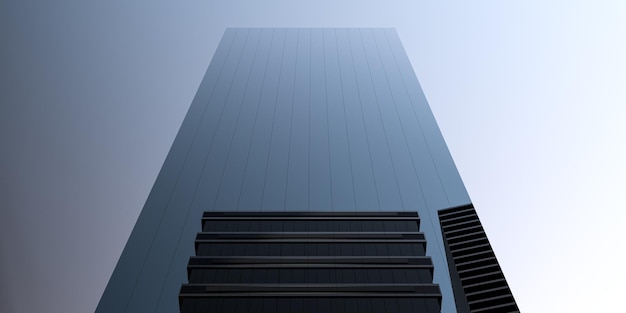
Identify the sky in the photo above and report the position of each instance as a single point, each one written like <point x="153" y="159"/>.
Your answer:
<point x="529" y="95"/>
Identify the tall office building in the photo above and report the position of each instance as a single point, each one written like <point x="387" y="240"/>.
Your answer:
<point x="309" y="175"/>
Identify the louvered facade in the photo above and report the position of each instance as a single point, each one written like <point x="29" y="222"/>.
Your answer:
<point x="477" y="280"/>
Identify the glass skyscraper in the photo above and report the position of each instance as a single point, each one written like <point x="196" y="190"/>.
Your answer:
<point x="308" y="153"/>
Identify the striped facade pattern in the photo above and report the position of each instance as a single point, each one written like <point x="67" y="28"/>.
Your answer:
<point x="478" y="282"/>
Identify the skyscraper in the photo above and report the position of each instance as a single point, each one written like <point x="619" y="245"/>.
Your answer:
<point x="307" y="122"/>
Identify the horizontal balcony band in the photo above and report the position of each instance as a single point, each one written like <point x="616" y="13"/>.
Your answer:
<point x="493" y="266"/>
<point x="336" y="224"/>
<point x="459" y="219"/>
<point x="309" y="294"/>
<point x="470" y="251"/>
<point x="432" y="289"/>
<point x="256" y="260"/>
<point x="310" y="235"/>
<point x="447" y="221"/>
<point x="481" y="253"/>
<point x="308" y="218"/>
<point x="482" y="275"/>
<point x="480" y="247"/>
<point x="501" y="288"/>
<point x="458" y="238"/>
<point x="499" y="280"/>
<point x="290" y="214"/>
<point x="487" y="259"/>
<point x="492" y="299"/>
<point x="460" y="227"/>
<point x="505" y="308"/>
<point x="312" y="266"/>
<point x="312" y="240"/>
<point x="451" y="212"/>
<point x="451" y="245"/>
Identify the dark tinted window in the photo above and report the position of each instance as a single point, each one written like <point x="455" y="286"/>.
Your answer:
<point x="310" y="249"/>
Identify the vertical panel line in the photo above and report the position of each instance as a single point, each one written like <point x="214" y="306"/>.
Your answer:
<point x="395" y="175"/>
<point x="436" y="242"/>
<point x="293" y="99"/>
<point x="330" y="165"/>
<point x="430" y="217"/>
<point x="193" y="141"/>
<point x="308" y="193"/>
<point x="269" y="149"/>
<point x="256" y="114"/>
<point x="419" y="124"/>
<point x="193" y="197"/>
<point x="369" y="148"/>
<point x="243" y="98"/>
<point x="345" y="118"/>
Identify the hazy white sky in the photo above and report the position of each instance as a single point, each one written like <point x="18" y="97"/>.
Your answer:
<point x="530" y="96"/>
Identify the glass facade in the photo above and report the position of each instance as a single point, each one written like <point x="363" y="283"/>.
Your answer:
<point x="294" y="120"/>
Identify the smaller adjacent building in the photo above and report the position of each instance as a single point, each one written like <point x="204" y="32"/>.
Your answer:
<point x="477" y="279"/>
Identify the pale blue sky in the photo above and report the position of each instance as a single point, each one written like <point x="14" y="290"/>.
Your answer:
<point x="530" y="96"/>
